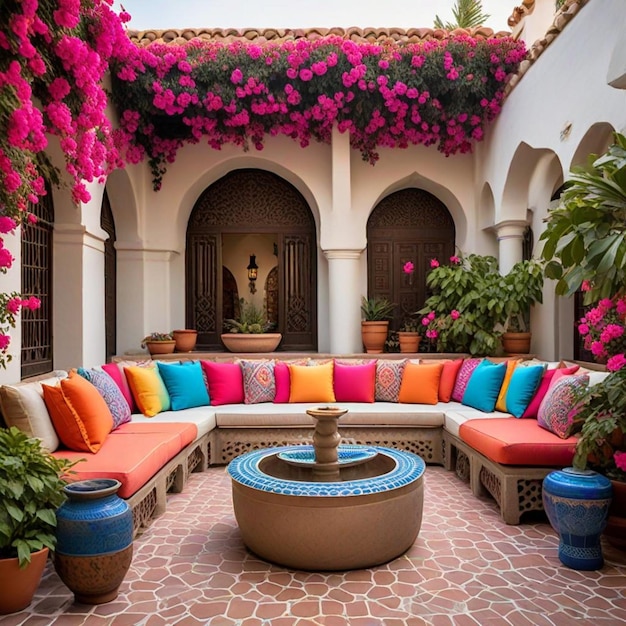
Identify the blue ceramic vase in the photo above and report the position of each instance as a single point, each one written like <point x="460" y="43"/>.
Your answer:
<point x="577" y="504"/>
<point x="94" y="540"/>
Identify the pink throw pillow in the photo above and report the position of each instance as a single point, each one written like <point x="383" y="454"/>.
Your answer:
<point x="282" y="378"/>
<point x="114" y="371"/>
<point x="225" y="382"/>
<point x="462" y="378"/>
<point x="354" y="383"/>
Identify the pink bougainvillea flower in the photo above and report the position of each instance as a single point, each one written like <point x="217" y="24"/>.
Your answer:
<point x="5" y="340"/>
<point x="454" y="314"/>
<point x="434" y="263"/>
<point x="408" y="267"/>
<point x="616" y="362"/>
<point x="455" y="260"/>
<point x="620" y="460"/>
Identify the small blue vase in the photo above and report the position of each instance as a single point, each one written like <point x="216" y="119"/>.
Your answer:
<point x="577" y="504"/>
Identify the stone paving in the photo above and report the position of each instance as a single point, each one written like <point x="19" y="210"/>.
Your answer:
<point x="466" y="568"/>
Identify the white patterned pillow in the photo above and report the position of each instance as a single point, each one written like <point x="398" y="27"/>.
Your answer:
<point x="259" y="384"/>
<point x="388" y="379"/>
<point x="111" y="393"/>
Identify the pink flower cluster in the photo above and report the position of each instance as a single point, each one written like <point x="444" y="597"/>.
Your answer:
<point x="604" y="330"/>
<point x="53" y="57"/>
<point x="392" y="95"/>
<point x="10" y="305"/>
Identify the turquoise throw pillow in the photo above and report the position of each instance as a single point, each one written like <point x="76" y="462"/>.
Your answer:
<point x="484" y="385"/>
<point x="185" y="384"/>
<point x="522" y="387"/>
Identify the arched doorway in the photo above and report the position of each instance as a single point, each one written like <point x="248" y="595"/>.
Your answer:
<point x="245" y="202"/>
<point x="408" y="225"/>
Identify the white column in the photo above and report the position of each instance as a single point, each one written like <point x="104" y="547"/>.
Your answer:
<point x="510" y="243"/>
<point x="78" y="288"/>
<point x="144" y="294"/>
<point x="344" y="300"/>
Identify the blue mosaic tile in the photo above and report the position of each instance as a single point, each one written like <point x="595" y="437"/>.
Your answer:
<point x="245" y="470"/>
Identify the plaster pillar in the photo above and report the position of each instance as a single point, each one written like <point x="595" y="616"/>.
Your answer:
<point x="344" y="268"/>
<point x="78" y="286"/>
<point x="144" y="294"/>
<point x="510" y="243"/>
<point x="12" y="281"/>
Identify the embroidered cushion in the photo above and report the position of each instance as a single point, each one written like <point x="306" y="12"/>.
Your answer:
<point x="557" y="411"/>
<point x="259" y="383"/>
<point x="389" y="379"/>
<point x="465" y="372"/>
<point x="533" y="406"/>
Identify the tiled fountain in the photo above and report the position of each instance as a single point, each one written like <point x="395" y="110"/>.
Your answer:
<point x="329" y="506"/>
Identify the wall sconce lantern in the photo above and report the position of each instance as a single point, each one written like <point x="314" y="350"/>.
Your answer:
<point x="253" y="269"/>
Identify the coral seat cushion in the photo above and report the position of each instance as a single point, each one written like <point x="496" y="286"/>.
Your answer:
<point x="420" y="383"/>
<point x="311" y="383"/>
<point x="79" y="413"/>
<point x="132" y="454"/>
<point x="448" y="379"/>
<point x="511" y="441"/>
<point x="354" y="383"/>
<point x="225" y="381"/>
<point x="185" y="384"/>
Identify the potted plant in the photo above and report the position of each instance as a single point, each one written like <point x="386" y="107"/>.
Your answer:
<point x="251" y="332"/>
<point x="520" y="289"/>
<point x="159" y="343"/>
<point x="375" y="323"/>
<point x="409" y="335"/>
<point x="31" y="489"/>
<point x="464" y="313"/>
<point x="185" y="339"/>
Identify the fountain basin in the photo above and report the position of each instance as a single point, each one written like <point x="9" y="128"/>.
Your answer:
<point x="370" y="515"/>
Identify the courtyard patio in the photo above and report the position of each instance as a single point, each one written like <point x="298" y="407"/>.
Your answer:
<point x="467" y="567"/>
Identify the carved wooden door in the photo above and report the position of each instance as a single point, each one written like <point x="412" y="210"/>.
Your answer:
<point x="253" y="201"/>
<point x="409" y="225"/>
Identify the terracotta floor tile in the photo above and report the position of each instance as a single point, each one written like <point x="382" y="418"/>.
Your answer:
<point x="466" y="568"/>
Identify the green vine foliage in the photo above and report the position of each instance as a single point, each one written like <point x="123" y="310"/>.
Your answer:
<point x="585" y="235"/>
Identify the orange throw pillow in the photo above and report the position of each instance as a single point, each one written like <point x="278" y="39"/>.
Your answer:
<point x="79" y="413"/>
<point x="420" y="383"/>
<point x="448" y="378"/>
<point x="311" y="383"/>
<point x="511" y="364"/>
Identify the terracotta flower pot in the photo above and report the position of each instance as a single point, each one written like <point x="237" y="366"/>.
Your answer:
<point x="161" y="347"/>
<point x="185" y="339"/>
<point x="516" y="343"/>
<point x="374" y="335"/>
<point x="251" y="342"/>
<point x="18" y="586"/>
<point x="615" y="531"/>
<point x="409" y="341"/>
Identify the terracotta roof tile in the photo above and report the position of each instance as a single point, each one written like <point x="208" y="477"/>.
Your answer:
<point x="412" y="35"/>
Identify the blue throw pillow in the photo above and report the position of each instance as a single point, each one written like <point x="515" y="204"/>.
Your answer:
<point x="522" y="388"/>
<point x="484" y="385"/>
<point x="185" y="384"/>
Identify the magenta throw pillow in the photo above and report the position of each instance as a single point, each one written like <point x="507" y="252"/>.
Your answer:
<point x="282" y="379"/>
<point x="462" y="378"/>
<point x="225" y="382"/>
<point x="354" y="383"/>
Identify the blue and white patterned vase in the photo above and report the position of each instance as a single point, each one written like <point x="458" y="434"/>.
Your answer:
<point x="577" y="504"/>
<point x="94" y="540"/>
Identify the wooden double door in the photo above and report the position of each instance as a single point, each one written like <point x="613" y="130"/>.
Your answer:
<point x="409" y="225"/>
<point x="253" y="201"/>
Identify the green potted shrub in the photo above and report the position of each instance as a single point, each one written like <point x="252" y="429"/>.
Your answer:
<point x="520" y="289"/>
<point x="465" y="311"/>
<point x="375" y="313"/>
<point x="159" y="343"/>
<point x="31" y="490"/>
<point x="251" y="331"/>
